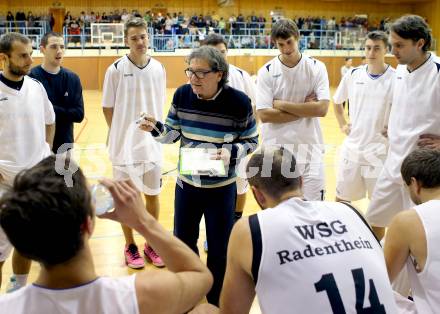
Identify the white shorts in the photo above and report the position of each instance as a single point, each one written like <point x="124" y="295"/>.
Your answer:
<point x="5" y="245"/>
<point x="242" y="185"/>
<point x="354" y="180"/>
<point x="388" y="199"/>
<point x="145" y="176"/>
<point x="313" y="181"/>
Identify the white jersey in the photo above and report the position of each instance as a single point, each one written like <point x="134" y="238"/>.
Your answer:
<point x="425" y="286"/>
<point x="103" y="295"/>
<point x="241" y="80"/>
<point x="24" y="115"/>
<point x="415" y="111"/>
<point x="319" y="257"/>
<point x="345" y="70"/>
<point x="278" y="81"/>
<point x="370" y="104"/>
<point x="131" y="90"/>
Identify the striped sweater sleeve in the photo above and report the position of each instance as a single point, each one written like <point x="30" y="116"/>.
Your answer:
<point x="170" y="131"/>
<point x="247" y="141"/>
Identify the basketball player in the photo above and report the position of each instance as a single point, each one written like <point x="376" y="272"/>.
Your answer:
<point x="63" y="88"/>
<point x="413" y="235"/>
<point x="346" y="68"/>
<point x="56" y="230"/>
<point x="241" y="80"/>
<point x="369" y="90"/>
<point x="301" y="256"/>
<point x="292" y="92"/>
<point x="27" y="125"/>
<point x="134" y="84"/>
<point x="414" y="115"/>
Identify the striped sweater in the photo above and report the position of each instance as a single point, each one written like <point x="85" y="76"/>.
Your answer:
<point x="225" y="121"/>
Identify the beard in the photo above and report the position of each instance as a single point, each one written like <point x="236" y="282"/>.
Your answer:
<point x="18" y="71"/>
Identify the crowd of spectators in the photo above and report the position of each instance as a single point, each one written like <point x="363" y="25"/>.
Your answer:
<point x="189" y="30"/>
<point x="358" y="21"/>
<point x="29" y="20"/>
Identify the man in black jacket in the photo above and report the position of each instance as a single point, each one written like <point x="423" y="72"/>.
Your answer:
<point x="63" y="88"/>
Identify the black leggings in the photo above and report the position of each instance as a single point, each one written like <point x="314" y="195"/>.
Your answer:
<point x="217" y="205"/>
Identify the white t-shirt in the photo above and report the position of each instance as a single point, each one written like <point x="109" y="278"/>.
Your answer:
<point x="130" y="90"/>
<point x="103" y="295"/>
<point x="241" y="80"/>
<point x="277" y="81"/>
<point x="415" y="111"/>
<point x="315" y="253"/>
<point x="425" y="285"/>
<point x="370" y="104"/>
<point x="24" y="115"/>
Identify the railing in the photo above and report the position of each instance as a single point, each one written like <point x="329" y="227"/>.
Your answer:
<point x="310" y="39"/>
<point x="242" y="36"/>
<point x="34" y="32"/>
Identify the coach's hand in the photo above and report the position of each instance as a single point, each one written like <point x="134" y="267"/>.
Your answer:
<point x="222" y="154"/>
<point x="147" y="123"/>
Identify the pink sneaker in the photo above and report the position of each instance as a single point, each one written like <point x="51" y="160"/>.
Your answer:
<point x="132" y="257"/>
<point x="152" y="256"/>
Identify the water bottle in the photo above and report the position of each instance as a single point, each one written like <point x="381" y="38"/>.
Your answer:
<point x="102" y="199"/>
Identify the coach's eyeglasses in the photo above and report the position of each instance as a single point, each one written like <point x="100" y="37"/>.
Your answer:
<point x="199" y="73"/>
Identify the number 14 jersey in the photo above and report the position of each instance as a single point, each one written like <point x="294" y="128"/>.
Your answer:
<point x="318" y="257"/>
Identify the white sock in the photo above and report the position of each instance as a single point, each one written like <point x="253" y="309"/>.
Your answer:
<point x="21" y="279"/>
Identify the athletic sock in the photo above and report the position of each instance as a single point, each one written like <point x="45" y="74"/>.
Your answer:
<point x="21" y="279"/>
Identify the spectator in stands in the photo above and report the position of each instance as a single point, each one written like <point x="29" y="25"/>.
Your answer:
<point x="74" y="31"/>
<point x="116" y="17"/>
<point x="201" y="21"/>
<point x="93" y="17"/>
<point x="221" y="26"/>
<point x="82" y="18"/>
<point x="51" y="21"/>
<point x="331" y="25"/>
<point x="135" y="13"/>
<point x="232" y="26"/>
<point x="10" y="17"/>
<point x="148" y="17"/>
<point x="125" y="16"/>
<point x="168" y="24"/>
<point x="104" y="17"/>
<point x="67" y="19"/>
<point x="20" y="19"/>
<point x="180" y="17"/>
<point x="30" y="19"/>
